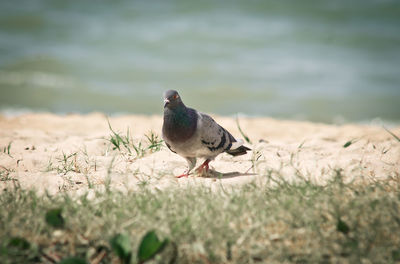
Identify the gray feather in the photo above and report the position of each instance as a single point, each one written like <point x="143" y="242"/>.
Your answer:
<point x="213" y="136"/>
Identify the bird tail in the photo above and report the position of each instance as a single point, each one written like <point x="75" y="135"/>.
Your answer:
<point x="237" y="148"/>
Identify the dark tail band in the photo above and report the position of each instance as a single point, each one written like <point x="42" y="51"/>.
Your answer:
<point x="238" y="151"/>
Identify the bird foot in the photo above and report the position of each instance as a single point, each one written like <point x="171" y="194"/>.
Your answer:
<point x="186" y="174"/>
<point x="203" y="168"/>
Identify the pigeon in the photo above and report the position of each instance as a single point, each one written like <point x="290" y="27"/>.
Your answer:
<point x="192" y="134"/>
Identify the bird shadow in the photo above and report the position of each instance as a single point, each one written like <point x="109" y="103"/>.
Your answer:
<point x="227" y="175"/>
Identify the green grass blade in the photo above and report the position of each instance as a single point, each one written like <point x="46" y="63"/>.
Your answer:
<point x="391" y="133"/>
<point x="241" y="131"/>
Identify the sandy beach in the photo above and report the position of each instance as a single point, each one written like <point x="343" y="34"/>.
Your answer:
<point x="73" y="152"/>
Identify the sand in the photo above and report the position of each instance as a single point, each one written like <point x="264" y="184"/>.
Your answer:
<point x="57" y="153"/>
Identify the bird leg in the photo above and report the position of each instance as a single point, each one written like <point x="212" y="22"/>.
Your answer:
<point x="185" y="174"/>
<point x="203" y="167"/>
<point x="191" y="163"/>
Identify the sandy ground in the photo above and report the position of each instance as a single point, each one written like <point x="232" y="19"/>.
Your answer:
<point x="73" y="152"/>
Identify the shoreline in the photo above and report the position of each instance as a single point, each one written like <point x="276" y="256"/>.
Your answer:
<point x="73" y="152"/>
<point x="336" y="121"/>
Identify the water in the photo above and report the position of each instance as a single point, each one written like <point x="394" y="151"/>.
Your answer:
<point x="312" y="59"/>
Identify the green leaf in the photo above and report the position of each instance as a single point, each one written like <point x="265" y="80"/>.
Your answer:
<point x="72" y="260"/>
<point x="342" y="227"/>
<point x="19" y="242"/>
<point x="121" y="245"/>
<point x="396" y="255"/>
<point x="348" y="143"/>
<point x="8" y="148"/>
<point x="150" y="246"/>
<point x="54" y="218"/>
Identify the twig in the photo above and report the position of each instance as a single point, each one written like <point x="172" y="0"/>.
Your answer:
<point x="99" y="257"/>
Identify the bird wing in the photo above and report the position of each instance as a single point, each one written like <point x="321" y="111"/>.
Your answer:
<point x="169" y="146"/>
<point x="213" y="136"/>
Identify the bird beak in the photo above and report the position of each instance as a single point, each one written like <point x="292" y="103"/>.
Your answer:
<point x="166" y="101"/>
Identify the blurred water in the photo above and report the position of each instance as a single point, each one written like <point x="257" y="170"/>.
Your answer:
<point x="312" y="59"/>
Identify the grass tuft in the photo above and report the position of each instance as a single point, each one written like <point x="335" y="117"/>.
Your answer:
<point x="64" y="164"/>
<point x="155" y="143"/>
<point x="131" y="150"/>
<point x="118" y="141"/>
<point x="279" y="221"/>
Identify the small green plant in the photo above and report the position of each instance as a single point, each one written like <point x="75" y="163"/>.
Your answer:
<point x="78" y="161"/>
<point x="121" y="245"/>
<point x="127" y="147"/>
<point x="7" y="149"/>
<point x="155" y="143"/>
<point x="19" y="243"/>
<point x="150" y="246"/>
<point x="119" y="141"/>
<point x="139" y="149"/>
<point x="87" y="163"/>
<point x="67" y="163"/>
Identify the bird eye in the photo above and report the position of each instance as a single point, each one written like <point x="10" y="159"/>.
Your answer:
<point x="176" y="96"/>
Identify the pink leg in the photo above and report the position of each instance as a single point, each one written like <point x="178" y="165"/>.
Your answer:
<point x="191" y="163"/>
<point x="186" y="174"/>
<point x="203" y="166"/>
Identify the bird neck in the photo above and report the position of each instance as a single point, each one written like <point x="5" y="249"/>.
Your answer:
<point x="179" y="123"/>
<point x="178" y="116"/>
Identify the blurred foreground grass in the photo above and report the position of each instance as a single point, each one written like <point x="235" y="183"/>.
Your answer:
<point x="272" y="223"/>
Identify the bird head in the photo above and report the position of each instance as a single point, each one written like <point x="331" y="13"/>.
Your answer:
<point x="172" y="99"/>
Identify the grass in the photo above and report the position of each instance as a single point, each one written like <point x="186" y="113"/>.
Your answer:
<point x="7" y="149"/>
<point x="5" y="174"/>
<point x="77" y="161"/>
<point x="297" y="222"/>
<point x="154" y="142"/>
<point x="131" y="149"/>
<point x="241" y="131"/>
<point x="275" y="221"/>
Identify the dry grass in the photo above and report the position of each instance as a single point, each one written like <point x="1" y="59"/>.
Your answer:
<point x="296" y="222"/>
